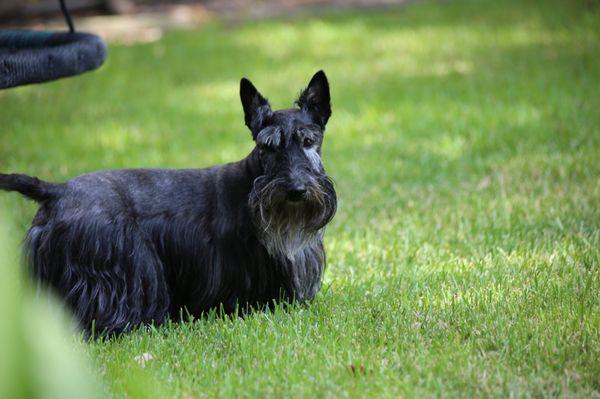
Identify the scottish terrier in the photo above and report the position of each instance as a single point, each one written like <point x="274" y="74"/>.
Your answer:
<point x="134" y="246"/>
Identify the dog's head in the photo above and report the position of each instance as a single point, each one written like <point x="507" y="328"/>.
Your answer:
<point x="294" y="192"/>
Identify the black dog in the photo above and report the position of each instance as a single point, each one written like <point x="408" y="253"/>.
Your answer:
<point x="125" y="247"/>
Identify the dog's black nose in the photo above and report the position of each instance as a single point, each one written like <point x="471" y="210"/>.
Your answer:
<point x="296" y="192"/>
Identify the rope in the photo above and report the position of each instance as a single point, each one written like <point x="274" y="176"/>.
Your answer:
<point x="65" y="12"/>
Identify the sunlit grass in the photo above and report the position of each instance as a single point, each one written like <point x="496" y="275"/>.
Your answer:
<point x="464" y="144"/>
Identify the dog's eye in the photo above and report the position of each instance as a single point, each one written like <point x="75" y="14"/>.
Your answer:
<point x="266" y="148"/>
<point x="308" y="142"/>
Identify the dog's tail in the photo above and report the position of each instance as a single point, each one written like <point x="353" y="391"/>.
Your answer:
<point x="31" y="187"/>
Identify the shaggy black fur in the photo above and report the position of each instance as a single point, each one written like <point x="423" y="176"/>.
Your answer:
<point x="125" y="247"/>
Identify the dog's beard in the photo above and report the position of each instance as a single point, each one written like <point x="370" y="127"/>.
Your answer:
<point x="286" y="227"/>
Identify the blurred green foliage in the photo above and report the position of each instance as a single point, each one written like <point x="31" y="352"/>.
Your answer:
<point x="38" y="356"/>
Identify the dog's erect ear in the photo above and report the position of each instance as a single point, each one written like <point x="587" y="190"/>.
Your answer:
<point x="256" y="108"/>
<point x="315" y="99"/>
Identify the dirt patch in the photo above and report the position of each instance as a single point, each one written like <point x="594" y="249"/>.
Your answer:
<point x="148" y="22"/>
<point x="253" y="9"/>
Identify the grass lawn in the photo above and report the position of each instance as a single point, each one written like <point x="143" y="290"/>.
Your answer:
<point x="465" y="145"/>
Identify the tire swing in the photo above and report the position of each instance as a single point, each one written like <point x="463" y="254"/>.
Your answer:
<point x="28" y="56"/>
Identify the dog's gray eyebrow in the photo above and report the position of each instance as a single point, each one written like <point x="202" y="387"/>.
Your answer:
<point x="269" y="136"/>
<point x="307" y="130"/>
